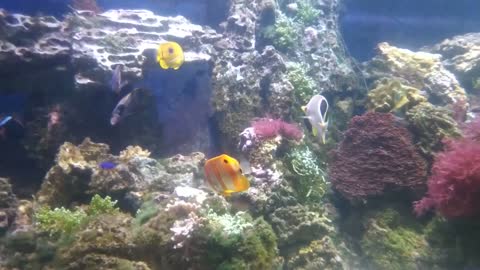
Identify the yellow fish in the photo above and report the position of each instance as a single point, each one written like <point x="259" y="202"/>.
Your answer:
<point x="224" y="175"/>
<point x="170" y="55"/>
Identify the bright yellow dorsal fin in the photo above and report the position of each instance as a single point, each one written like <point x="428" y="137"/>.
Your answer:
<point x="314" y="131"/>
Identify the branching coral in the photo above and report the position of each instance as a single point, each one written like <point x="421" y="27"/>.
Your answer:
<point x="454" y="186"/>
<point x="431" y="124"/>
<point x="283" y="33"/>
<point x="309" y="179"/>
<point x="391" y="95"/>
<point x="375" y="156"/>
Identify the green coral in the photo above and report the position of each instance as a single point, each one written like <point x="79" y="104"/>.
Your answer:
<point x="309" y="179"/>
<point x="148" y="210"/>
<point x="431" y="124"/>
<point x="284" y="33"/>
<point x="390" y="95"/>
<point x="307" y="14"/>
<point x="62" y="221"/>
<point x="249" y="244"/>
<point x="303" y="84"/>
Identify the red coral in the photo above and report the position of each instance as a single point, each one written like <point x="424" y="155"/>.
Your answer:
<point x="90" y="5"/>
<point x="454" y="186"/>
<point x="376" y="155"/>
<point x="266" y="128"/>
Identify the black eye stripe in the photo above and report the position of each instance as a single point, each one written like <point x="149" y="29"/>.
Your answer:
<point x="226" y="161"/>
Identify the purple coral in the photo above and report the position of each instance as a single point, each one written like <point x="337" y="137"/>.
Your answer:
<point x="266" y="128"/>
<point x="376" y="155"/>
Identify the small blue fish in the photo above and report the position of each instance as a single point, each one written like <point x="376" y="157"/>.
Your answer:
<point x="108" y="165"/>
<point x="5" y="120"/>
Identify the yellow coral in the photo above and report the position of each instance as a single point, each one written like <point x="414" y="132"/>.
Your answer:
<point x="133" y="151"/>
<point x="391" y="95"/>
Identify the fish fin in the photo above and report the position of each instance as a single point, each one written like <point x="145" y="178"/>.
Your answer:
<point x="402" y="102"/>
<point x="314" y="131"/>
<point x="244" y="184"/>
<point x="324" y="135"/>
<point x="176" y="67"/>
<point x="163" y="64"/>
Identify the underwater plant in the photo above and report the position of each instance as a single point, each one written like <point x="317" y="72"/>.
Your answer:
<point x="307" y="14"/>
<point x="454" y="185"/>
<point x="376" y="155"/>
<point x="309" y="179"/>
<point x="283" y="33"/>
<point x="62" y="221"/>
<point x="302" y="83"/>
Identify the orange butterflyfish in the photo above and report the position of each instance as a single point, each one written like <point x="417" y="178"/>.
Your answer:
<point x="224" y="175"/>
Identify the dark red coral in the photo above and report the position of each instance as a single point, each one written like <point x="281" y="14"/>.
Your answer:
<point x="266" y="128"/>
<point x="90" y="5"/>
<point x="454" y="186"/>
<point x="375" y="156"/>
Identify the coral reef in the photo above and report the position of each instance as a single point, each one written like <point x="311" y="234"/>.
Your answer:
<point x="319" y="254"/>
<point x="376" y="156"/>
<point x="391" y="95"/>
<point x="90" y="5"/>
<point x="283" y="33"/>
<point x="431" y="124"/>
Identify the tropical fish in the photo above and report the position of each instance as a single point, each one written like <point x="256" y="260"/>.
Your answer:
<point x="316" y="113"/>
<point x="108" y="165"/>
<point x="130" y="104"/>
<point x="170" y="55"/>
<point x="224" y="175"/>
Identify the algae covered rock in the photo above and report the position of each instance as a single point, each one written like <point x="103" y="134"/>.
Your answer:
<point x="431" y="124"/>
<point x="297" y="224"/>
<point x="420" y="70"/>
<point x="319" y="254"/>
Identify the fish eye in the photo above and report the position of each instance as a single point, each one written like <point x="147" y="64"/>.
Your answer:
<point x="240" y="170"/>
<point x="226" y="161"/>
<point x="170" y="50"/>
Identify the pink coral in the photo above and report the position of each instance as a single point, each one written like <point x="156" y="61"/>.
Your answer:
<point x="454" y="186"/>
<point x="376" y="155"/>
<point x="266" y="128"/>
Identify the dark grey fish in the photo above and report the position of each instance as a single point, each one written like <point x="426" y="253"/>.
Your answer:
<point x="134" y="102"/>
